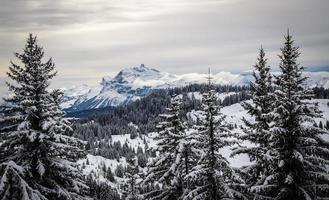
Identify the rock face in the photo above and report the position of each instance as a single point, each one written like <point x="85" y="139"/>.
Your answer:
<point x="134" y="83"/>
<point x="128" y="85"/>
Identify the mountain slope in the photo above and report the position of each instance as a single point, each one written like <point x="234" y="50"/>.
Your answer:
<point x="134" y="83"/>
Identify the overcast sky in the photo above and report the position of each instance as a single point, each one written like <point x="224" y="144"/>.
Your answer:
<point x="89" y="39"/>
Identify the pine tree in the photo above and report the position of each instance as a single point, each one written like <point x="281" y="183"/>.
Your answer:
<point x="166" y="168"/>
<point x="37" y="155"/>
<point x="119" y="171"/>
<point x="299" y="154"/>
<point x="131" y="189"/>
<point x="189" y="158"/>
<point x="142" y="159"/>
<point x="61" y="125"/>
<point x="257" y="130"/>
<point x="101" y="190"/>
<point x="212" y="178"/>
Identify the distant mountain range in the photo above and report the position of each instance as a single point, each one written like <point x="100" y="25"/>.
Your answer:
<point x="134" y="83"/>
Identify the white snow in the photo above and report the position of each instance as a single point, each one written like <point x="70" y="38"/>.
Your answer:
<point x="137" y="142"/>
<point x="236" y="112"/>
<point x="234" y="115"/>
<point x="95" y="162"/>
<point x="71" y="95"/>
<point x="94" y="167"/>
<point x="220" y="96"/>
<point x="317" y="79"/>
<point x="114" y="91"/>
<point x="324" y="107"/>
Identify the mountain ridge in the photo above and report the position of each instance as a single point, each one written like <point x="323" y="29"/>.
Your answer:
<point x="134" y="83"/>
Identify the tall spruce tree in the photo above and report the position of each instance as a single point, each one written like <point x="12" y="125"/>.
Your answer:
<point x="166" y="168"/>
<point x="131" y="188"/>
<point x="37" y="155"/>
<point x="257" y="130"/>
<point x="212" y="178"/>
<point x="299" y="153"/>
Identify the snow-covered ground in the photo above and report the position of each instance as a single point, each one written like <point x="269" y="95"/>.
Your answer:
<point x="324" y="107"/>
<point x="137" y="142"/>
<point x="96" y="162"/>
<point x="234" y="114"/>
<point x="220" y="96"/>
<point x="95" y="167"/>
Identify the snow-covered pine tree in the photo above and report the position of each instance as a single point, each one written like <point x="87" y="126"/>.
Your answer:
<point x="300" y="154"/>
<point x="37" y="156"/>
<point x="167" y="167"/>
<point x="62" y="125"/>
<point x="131" y="188"/>
<point x="212" y="178"/>
<point x="257" y="130"/>
<point x="189" y="158"/>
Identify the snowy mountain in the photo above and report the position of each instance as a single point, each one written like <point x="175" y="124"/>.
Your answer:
<point x="134" y="83"/>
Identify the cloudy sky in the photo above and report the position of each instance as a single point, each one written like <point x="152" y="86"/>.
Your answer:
<point x="89" y="39"/>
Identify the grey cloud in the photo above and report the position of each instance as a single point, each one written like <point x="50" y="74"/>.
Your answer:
<point x="29" y="15"/>
<point x="97" y="37"/>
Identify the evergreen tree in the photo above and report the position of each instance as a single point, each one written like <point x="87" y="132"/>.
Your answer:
<point x="257" y="130"/>
<point x="131" y="189"/>
<point x="299" y="154"/>
<point x="38" y="158"/>
<point x="109" y="175"/>
<point x="101" y="190"/>
<point x="166" y="168"/>
<point x="119" y="171"/>
<point x="212" y="178"/>
<point x="142" y="159"/>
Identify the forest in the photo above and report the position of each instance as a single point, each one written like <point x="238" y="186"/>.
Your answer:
<point x="45" y="151"/>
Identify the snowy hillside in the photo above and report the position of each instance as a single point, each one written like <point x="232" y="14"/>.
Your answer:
<point x="134" y="83"/>
<point x="93" y="165"/>
<point x="234" y="114"/>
